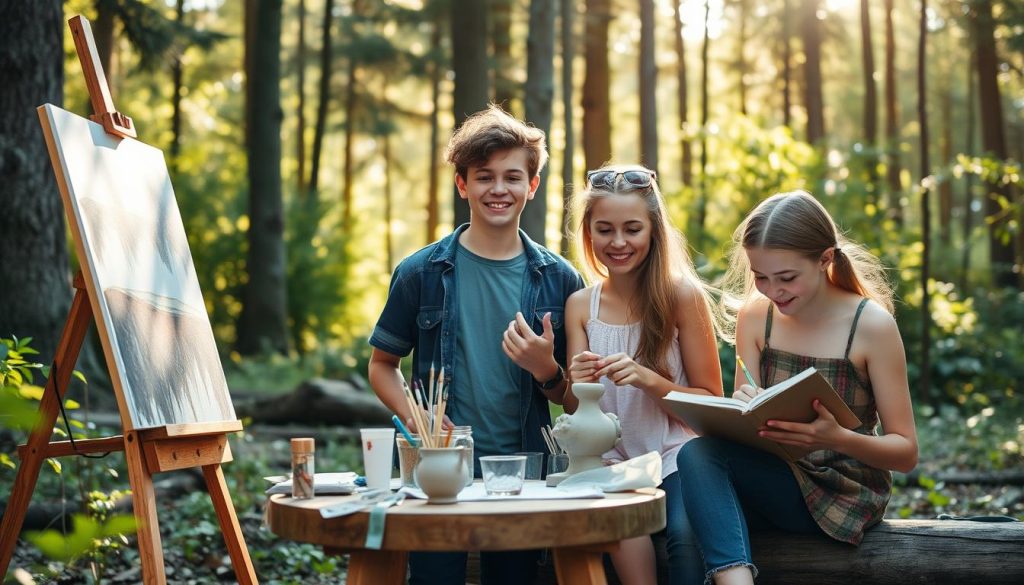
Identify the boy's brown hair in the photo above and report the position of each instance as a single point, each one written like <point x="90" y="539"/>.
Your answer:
<point x="492" y="130"/>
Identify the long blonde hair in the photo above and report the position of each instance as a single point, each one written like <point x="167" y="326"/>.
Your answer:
<point x="667" y="262"/>
<point x="798" y="222"/>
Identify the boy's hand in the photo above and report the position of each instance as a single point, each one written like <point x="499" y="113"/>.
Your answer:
<point x="583" y="367"/>
<point x="534" y="353"/>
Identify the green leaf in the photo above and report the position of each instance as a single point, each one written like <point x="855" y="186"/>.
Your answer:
<point x="80" y="376"/>
<point x="55" y="464"/>
<point x="119" y="524"/>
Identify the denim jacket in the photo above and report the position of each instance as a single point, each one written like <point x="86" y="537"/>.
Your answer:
<point x="420" y="316"/>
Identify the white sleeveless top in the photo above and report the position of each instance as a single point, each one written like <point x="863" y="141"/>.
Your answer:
<point x="645" y="426"/>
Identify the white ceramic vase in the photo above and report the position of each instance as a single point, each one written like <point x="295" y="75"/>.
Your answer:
<point x="440" y="473"/>
<point x="586" y="434"/>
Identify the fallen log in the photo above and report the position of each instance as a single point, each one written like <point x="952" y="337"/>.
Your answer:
<point x="927" y="552"/>
<point x="923" y="552"/>
<point x="319" y="401"/>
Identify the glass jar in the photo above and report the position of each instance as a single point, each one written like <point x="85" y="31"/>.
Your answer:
<point x="462" y="436"/>
<point x="302" y="468"/>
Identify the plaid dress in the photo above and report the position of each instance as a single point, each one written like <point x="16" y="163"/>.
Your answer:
<point x="843" y="495"/>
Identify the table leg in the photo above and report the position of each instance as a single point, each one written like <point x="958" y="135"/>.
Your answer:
<point x="377" y="567"/>
<point x="581" y="564"/>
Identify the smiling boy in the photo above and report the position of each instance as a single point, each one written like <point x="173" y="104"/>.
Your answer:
<point x="485" y="303"/>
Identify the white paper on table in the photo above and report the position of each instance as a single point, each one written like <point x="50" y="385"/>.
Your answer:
<point x="633" y="474"/>
<point x="532" y="490"/>
<point x="323" y="484"/>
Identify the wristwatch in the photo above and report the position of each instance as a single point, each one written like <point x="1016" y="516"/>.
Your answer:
<point x="550" y="384"/>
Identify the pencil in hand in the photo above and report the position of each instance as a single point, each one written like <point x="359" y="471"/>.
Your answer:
<point x="746" y="372"/>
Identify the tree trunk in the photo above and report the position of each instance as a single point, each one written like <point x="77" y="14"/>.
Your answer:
<point x="469" y="63"/>
<point x="968" y="225"/>
<point x="810" y="32"/>
<point x="993" y="139"/>
<point x="870" y="121"/>
<point x="501" y="43"/>
<point x="388" y="200"/>
<point x="176" y="91"/>
<point x="540" y="93"/>
<point x="702" y="198"/>
<point x="568" y="9"/>
<point x="597" y="123"/>
<point x="892" y="125"/>
<point x="787" y="69"/>
<point x="324" y="100"/>
<point x="103" y="35"/>
<point x="347" y="171"/>
<point x="741" y="60"/>
<point x="436" y="71"/>
<point x="300" y="118"/>
<point x="926" y="221"/>
<point x="263" y="321"/>
<point x="681" y="97"/>
<point x="34" y="274"/>
<point x="648" y="88"/>
<point x="946" y="160"/>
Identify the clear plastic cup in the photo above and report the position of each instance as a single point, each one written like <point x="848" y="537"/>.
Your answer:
<point x="503" y="474"/>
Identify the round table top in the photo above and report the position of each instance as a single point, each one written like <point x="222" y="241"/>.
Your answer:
<point x="416" y="525"/>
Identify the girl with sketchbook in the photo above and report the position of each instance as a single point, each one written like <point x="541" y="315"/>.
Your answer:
<point x="643" y="330"/>
<point x="809" y="298"/>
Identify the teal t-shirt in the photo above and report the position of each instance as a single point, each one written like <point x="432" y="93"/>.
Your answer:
<point x="485" y="394"/>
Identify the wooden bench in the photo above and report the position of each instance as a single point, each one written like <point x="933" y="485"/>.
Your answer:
<point x="926" y="552"/>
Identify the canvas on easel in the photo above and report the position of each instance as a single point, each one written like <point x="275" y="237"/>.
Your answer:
<point x="138" y="280"/>
<point x="134" y="253"/>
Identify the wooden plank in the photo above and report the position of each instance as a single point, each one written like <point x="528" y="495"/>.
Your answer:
<point x="65" y="449"/>
<point x="229" y="526"/>
<point x="377" y="567"/>
<point x="70" y="344"/>
<point x="112" y="121"/>
<point x="151" y="554"/>
<point x="190" y="429"/>
<point x="182" y="453"/>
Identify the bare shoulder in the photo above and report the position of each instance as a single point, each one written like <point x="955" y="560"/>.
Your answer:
<point x="577" y="306"/>
<point x="754" y="313"/>
<point x="876" y="322"/>
<point x="688" y="292"/>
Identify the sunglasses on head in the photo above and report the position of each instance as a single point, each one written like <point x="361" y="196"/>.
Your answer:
<point x="606" y="178"/>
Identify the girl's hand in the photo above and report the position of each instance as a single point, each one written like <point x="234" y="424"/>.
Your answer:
<point x="622" y="370"/>
<point x="822" y="433"/>
<point x="746" y="393"/>
<point x="583" y="367"/>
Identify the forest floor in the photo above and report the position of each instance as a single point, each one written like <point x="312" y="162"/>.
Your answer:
<point x="961" y="457"/>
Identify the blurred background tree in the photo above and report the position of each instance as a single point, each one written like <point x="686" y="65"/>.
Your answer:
<point x="304" y="138"/>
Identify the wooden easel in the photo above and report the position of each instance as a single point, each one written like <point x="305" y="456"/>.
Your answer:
<point x="147" y="451"/>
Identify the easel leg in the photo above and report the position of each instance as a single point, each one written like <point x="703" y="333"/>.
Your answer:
<point x="151" y="552"/>
<point x="237" y="550"/>
<point x="71" y="338"/>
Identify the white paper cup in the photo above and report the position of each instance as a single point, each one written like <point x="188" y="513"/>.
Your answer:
<point x="378" y="446"/>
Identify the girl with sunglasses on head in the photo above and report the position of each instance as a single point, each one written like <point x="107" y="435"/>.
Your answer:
<point x="807" y="297"/>
<point x="644" y="329"/>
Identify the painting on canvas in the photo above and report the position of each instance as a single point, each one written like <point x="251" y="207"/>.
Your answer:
<point x="138" y="268"/>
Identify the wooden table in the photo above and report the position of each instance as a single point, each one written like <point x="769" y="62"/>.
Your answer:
<point x="579" y="531"/>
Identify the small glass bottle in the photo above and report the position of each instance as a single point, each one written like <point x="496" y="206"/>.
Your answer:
<point x="462" y="436"/>
<point x="302" y="468"/>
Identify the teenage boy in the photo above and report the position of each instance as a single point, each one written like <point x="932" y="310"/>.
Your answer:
<point x="486" y="304"/>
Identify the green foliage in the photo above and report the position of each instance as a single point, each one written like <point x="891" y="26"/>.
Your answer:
<point x="16" y="375"/>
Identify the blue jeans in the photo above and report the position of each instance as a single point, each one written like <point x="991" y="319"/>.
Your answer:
<point x="685" y="564"/>
<point x="517" y="567"/>
<point x="726" y="486"/>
